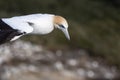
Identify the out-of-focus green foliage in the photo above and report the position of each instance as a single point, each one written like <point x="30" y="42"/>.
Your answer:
<point x="93" y="24"/>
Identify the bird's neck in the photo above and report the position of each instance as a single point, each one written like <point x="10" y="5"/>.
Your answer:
<point x="43" y="25"/>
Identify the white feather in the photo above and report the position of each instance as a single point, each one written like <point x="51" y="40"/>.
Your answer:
<point x="16" y="37"/>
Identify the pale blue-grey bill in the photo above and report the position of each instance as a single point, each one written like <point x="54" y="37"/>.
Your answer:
<point x="65" y="31"/>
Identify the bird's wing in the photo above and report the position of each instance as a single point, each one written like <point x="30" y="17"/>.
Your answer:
<point x="7" y="33"/>
<point x="23" y="27"/>
<point x="19" y="24"/>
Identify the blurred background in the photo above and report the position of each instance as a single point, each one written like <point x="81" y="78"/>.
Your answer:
<point x="93" y="53"/>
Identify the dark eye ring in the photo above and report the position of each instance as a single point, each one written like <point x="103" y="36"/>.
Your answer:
<point x="62" y="26"/>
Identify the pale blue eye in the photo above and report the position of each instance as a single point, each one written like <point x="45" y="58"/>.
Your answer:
<point x="61" y="26"/>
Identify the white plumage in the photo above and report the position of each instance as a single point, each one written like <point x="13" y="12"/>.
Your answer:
<point x="34" y="23"/>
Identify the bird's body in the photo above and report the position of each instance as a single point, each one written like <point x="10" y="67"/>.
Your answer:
<point x="15" y="27"/>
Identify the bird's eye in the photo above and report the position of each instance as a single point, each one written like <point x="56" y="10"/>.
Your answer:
<point x="61" y="26"/>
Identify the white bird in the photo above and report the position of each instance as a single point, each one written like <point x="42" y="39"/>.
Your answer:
<point x="15" y="27"/>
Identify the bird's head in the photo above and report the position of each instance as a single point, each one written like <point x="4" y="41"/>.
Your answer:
<point x="61" y="24"/>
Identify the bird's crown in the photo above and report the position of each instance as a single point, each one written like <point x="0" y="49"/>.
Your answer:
<point x="58" y="20"/>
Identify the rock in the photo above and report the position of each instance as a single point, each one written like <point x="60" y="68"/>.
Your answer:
<point x="22" y="60"/>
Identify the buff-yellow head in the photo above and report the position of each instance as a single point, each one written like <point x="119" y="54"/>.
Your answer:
<point x="61" y="23"/>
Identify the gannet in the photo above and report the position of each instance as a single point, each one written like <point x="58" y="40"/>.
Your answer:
<point x="14" y="27"/>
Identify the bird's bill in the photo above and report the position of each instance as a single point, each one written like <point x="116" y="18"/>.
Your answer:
<point x="65" y="31"/>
